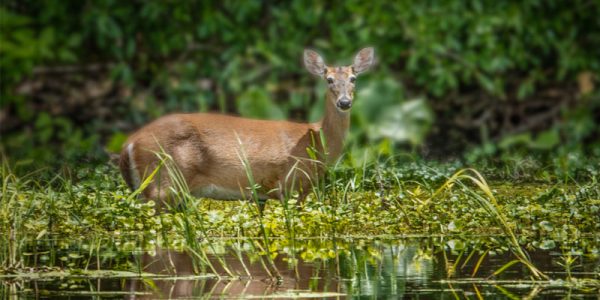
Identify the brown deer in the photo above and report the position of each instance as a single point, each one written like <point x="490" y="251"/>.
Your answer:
<point x="208" y="149"/>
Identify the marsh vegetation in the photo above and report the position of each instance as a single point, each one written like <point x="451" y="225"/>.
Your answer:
<point x="470" y="168"/>
<point x="443" y="227"/>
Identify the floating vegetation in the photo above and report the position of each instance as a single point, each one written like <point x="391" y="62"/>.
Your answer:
<point x="81" y="225"/>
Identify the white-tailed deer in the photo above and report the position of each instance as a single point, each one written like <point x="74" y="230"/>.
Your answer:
<point x="207" y="148"/>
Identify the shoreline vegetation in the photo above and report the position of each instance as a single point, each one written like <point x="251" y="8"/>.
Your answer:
<point x="375" y="200"/>
<point x="472" y="158"/>
<point x="95" y="209"/>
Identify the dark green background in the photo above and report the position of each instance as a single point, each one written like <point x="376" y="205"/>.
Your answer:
<point x="474" y="80"/>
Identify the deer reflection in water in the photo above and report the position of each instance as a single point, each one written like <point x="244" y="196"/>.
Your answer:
<point x="184" y="284"/>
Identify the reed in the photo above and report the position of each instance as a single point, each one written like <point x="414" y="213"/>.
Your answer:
<point x="254" y="188"/>
<point x="493" y="208"/>
<point x="186" y="203"/>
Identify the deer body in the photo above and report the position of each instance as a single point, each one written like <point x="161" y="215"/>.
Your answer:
<point x="208" y="148"/>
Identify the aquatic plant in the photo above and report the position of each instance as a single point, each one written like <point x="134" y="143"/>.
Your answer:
<point x="87" y="219"/>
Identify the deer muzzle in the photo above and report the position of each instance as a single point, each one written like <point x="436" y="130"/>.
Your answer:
<point x="344" y="103"/>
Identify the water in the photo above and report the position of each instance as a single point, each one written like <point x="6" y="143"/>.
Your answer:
<point x="423" y="268"/>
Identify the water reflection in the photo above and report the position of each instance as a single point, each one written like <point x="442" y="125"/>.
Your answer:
<point x="424" y="267"/>
<point x="303" y="276"/>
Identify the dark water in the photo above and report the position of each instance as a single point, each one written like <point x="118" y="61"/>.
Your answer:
<point x="364" y="269"/>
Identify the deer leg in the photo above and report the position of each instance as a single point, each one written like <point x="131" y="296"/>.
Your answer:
<point x="261" y="206"/>
<point x="302" y="196"/>
<point x="159" y="194"/>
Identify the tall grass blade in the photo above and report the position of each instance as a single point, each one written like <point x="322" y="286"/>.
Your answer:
<point x="504" y="267"/>
<point x="491" y="206"/>
<point x="254" y="193"/>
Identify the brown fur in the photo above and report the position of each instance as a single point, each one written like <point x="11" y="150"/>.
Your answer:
<point x="125" y="170"/>
<point x="207" y="147"/>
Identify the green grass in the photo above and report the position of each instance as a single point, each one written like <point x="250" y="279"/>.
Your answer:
<point x="374" y="200"/>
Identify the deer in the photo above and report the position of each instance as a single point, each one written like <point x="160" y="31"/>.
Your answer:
<point x="210" y="149"/>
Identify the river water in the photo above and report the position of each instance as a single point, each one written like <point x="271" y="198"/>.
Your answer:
<point x="406" y="268"/>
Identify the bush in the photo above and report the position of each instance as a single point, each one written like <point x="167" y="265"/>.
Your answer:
<point x="76" y="73"/>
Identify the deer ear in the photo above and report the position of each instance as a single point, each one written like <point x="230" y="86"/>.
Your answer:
<point x="363" y="60"/>
<point x="313" y="62"/>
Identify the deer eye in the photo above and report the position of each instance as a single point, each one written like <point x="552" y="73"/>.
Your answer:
<point x="352" y="79"/>
<point x="330" y="80"/>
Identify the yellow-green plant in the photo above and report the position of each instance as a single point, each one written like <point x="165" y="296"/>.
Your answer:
<point x="493" y="208"/>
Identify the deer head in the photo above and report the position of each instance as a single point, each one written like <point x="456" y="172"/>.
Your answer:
<point x="340" y="80"/>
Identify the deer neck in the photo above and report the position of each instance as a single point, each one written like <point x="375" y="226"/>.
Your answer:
<point x="335" y="125"/>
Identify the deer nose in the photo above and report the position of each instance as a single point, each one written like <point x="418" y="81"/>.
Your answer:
<point x="344" y="103"/>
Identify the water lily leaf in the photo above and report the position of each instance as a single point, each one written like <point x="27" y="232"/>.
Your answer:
<point x="546" y="225"/>
<point x="547" y="244"/>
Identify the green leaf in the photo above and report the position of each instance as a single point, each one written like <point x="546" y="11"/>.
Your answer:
<point x="546" y="140"/>
<point x="547" y="244"/>
<point x="407" y="122"/>
<point x="116" y="141"/>
<point x="256" y="103"/>
<point x="547" y="226"/>
<point x="505" y="266"/>
<point x="517" y="139"/>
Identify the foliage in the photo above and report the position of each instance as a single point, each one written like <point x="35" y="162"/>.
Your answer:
<point x="87" y="219"/>
<point x="512" y="83"/>
<point x="96" y="203"/>
<point x="244" y="57"/>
